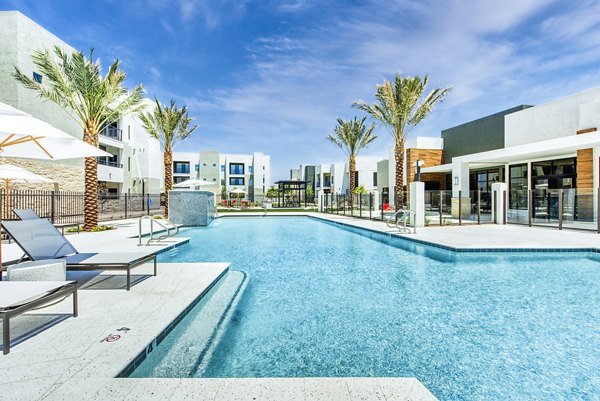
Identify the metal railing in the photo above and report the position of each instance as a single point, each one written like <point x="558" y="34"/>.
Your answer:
<point x="109" y="163"/>
<point x="167" y="227"/>
<point x="66" y="208"/>
<point x="402" y="216"/>
<point x="112" y="133"/>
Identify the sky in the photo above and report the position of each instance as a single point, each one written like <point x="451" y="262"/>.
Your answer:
<point x="273" y="76"/>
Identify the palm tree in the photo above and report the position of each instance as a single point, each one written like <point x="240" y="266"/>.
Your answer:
<point x="352" y="136"/>
<point x="76" y="85"/>
<point x="401" y="107"/>
<point x="169" y="125"/>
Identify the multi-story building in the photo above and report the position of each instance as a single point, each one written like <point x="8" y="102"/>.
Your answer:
<point x="133" y="167"/>
<point x="248" y="172"/>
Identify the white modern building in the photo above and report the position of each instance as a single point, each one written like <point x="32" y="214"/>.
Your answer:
<point x="250" y="173"/>
<point x="132" y="169"/>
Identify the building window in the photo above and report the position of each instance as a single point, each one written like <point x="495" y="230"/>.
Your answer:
<point x="375" y="178"/>
<point x="197" y="167"/>
<point x="129" y="164"/>
<point x="236" y="168"/>
<point x="250" y="169"/>
<point x="37" y="77"/>
<point x="222" y="168"/>
<point x="129" y="132"/>
<point x="236" y="181"/>
<point x="518" y="186"/>
<point x="181" y="167"/>
<point x="204" y="164"/>
<point x="250" y="182"/>
<point x="214" y="179"/>
<point x="177" y="180"/>
<point x="222" y="181"/>
<point x="214" y="164"/>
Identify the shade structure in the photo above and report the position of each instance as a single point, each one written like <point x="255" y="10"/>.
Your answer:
<point x="237" y="191"/>
<point x="10" y="174"/>
<point x="22" y="135"/>
<point x="193" y="183"/>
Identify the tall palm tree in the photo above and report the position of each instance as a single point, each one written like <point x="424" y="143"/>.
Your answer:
<point x="352" y="136"/>
<point x="401" y="106"/>
<point x="75" y="84"/>
<point x="169" y="125"/>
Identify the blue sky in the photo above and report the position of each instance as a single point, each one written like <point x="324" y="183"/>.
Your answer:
<point x="273" y="76"/>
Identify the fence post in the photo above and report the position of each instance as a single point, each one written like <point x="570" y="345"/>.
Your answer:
<point x="504" y="208"/>
<point x="148" y="204"/>
<point x="351" y="204"/>
<point x="560" y="209"/>
<point x="530" y="207"/>
<point x="52" y="207"/>
<point x="495" y="206"/>
<point x="478" y="206"/>
<point x="598" y="211"/>
<point x="125" y="205"/>
<point x="359" y="205"/>
<point x="440" y="206"/>
<point x="381" y="210"/>
<point x="460" y="208"/>
<point x="370" y="206"/>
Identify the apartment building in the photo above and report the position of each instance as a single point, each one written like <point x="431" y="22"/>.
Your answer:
<point x="334" y="177"/>
<point x="248" y="172"/>
<point x="133" y="166"/>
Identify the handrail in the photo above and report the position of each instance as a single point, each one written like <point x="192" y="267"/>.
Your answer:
<point x="405" y="216"/>
<point x="167" y="228"/>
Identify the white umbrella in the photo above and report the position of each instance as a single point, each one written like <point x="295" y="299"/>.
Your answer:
<point x="36" y="139"/>
<point x="193" y="183"/>
<point x="10" y="174"/>
<point x="22" y="135"/>
<point x="237" y="191"/>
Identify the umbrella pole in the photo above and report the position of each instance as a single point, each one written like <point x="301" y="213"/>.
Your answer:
<point x="5" y="205"/>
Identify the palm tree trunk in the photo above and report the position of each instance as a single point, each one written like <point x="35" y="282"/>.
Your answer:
<point x="352" y="178"/>
<point x="399" y="156"/>
<point x="90" y="197"/>
<point x="168" y="159"/>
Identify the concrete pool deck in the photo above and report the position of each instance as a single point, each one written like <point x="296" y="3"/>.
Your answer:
<point x="62" y="357"/>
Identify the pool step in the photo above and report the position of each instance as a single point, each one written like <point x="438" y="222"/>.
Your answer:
<point x="189" y="345"/>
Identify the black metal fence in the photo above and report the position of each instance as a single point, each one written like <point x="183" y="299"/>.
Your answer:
<point x="63" y="207"/>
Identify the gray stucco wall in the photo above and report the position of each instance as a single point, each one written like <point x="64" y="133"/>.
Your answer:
<point x="486" y="133"/>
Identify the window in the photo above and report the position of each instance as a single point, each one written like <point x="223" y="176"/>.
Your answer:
<point x="236" y="181"/>
<point x="129" y="164"/>
<point x="222" y="168"/>
<point x="177" y="180"/>
<point x="204" y="164"/>
<point x="214" y="164"/>
<point x="181" y="167"/>
<point x="250" y="169"/>
<point x="197" y="167"/>
<point x="554" y="174"/>
<point x="236" y="168"/>
<point x="222" y="181"/>
<point x="374" y="178"/>
<point x="214" y="179"/>
<point x="37" y="77"/>
<point x="518" y="186"/>
<point x="250" y="182"/>
<point x="129" y="132"/>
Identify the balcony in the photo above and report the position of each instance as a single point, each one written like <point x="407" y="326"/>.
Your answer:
<point x="109" y="163"/>
<point x="112" y="133"/>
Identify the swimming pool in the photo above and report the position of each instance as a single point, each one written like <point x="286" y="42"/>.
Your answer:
<point x="324" y="301"/>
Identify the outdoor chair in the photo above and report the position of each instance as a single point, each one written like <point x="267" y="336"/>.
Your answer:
<point x="30" y="214"/>
<point x="40" y="240"/>
<point x="18" y="297"/>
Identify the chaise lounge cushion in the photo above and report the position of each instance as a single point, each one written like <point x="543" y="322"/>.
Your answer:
<point x="39" y="270"/>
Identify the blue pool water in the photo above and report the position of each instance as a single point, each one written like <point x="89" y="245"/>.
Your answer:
<point x="327" y="301"/>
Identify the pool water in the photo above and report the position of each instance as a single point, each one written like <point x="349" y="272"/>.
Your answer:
<point x="326" y="301"/>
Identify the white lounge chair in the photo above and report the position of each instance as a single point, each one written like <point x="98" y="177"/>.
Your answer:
<point x="17" y="297"/>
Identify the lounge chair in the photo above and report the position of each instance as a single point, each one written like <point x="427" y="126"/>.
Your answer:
<point x="17" y="297"/>
<point x="30" y="214"/>
<point x="40" y="240"/>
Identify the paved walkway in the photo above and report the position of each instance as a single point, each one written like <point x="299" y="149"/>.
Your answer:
<point x="485" y="236"/>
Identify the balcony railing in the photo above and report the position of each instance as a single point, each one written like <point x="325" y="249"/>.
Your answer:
<point x="104" y="162"/>
<point x="112" y="133"/>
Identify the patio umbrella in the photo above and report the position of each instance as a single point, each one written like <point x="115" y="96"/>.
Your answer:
<point x="193" y="183"/>
<point x="10" y="174"/>
<point x="22" y="135"/>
